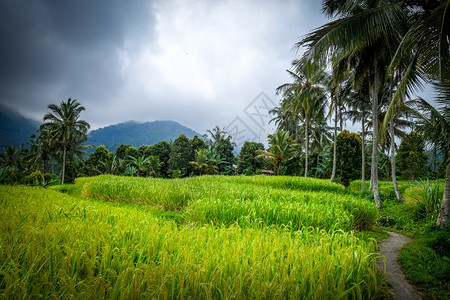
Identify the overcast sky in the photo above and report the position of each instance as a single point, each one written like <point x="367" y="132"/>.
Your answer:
<point x="200" y="63"/>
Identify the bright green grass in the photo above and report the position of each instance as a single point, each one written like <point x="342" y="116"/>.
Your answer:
<point x="57" y="246"/>
<point x="290" y="202"/>
<point x="385" y="187"/>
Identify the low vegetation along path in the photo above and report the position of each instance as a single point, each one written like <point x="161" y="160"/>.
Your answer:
<point x="390" y="248"/>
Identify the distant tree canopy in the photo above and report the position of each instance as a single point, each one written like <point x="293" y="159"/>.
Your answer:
<point x="348" y="157"/>
<point x="94" y="163"/>
<point x="225" y="148"/>
<point x="180" y="155"/>
<point x="411" y="157"/>
<point x="145" y="150"/>
<point x="197" y="143"/>
<point x="248" y="163"/>
<point x="121" y="152"/>
<point x="162" y="150"/>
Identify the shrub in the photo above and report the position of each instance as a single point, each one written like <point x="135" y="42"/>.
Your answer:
<point x="35" y="178"/>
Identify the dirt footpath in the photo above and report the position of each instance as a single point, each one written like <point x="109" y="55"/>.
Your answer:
<point x="390" y="248"/>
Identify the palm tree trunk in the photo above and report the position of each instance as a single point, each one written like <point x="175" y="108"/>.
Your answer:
<point x="445" y="209"/>
<point x="434" y="158"/>
<point x="333" y="173"/>
<point x="63" y="165"/>
<point x="363" y="157"/>
<point x="306" y="147"/>
<point x="318" y="155"/>
<point x="374" y="166"/>
<point x="394" y="176"/>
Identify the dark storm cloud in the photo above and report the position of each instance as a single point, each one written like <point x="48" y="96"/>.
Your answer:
<point x="49" y="45"/>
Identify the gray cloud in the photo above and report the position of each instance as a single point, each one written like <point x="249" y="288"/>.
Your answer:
<point x="196" y="62"/>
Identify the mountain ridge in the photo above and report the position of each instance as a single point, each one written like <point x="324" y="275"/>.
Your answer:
<point x="16" y="129"/>
<point x="136" y="133"/>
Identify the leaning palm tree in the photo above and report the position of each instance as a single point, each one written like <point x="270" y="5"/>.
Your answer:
<point x="64" y="127"/>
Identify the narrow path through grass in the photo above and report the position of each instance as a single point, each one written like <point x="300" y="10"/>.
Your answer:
<point x="390" y="248"/>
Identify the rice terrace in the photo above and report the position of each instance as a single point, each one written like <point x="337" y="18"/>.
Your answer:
<point x="332" y="185"/>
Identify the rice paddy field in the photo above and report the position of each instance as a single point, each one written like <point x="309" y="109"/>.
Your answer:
<point x="209" y="237"/>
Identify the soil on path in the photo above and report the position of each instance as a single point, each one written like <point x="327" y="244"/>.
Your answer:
<point x="390" y="248"/>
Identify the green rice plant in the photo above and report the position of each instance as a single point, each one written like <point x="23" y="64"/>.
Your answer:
<point x="57" y="246"/>
<point x="291" y="182"/>
<point x="292" y="209"/>
<point x="385" y="187"/>
<point x="426" y="192"/>
<point x="248" y="201"/>
<point x="168" y="194"/>
<point x="74" y="190"/>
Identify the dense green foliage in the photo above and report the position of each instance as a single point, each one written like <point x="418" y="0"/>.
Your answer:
<point x="248" y="164"/>
<point x="411" y="157"/>
<point x="93" y="165"/>
<point x="162" y="150"/>
<point x="224" y="149"/>
<point x="348" y="157"/>
<point x="180" y="155"/>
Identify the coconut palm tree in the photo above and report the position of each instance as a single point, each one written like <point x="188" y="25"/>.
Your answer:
<point x="285" y="119"/>
<point x="217" y="134"/>
<point x="359" y="37"/>
<point x="281" y="149"/>
<point x="306" y="97"/>
<point x="205" y="161"/>
<point x="424" y="50"/>
<point x="64" y="127"/>
<point x="41" y="151"/>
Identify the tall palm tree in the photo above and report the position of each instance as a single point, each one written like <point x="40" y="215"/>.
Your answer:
<point x="285" y="119"/>
<point x="41" y="151"/>
<point x="424" y="53"/>
<point x="65" y="128"/>
<point x="338" y="92"/>
<point x="306" y="97"/>
<point x="359" y="37"/>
